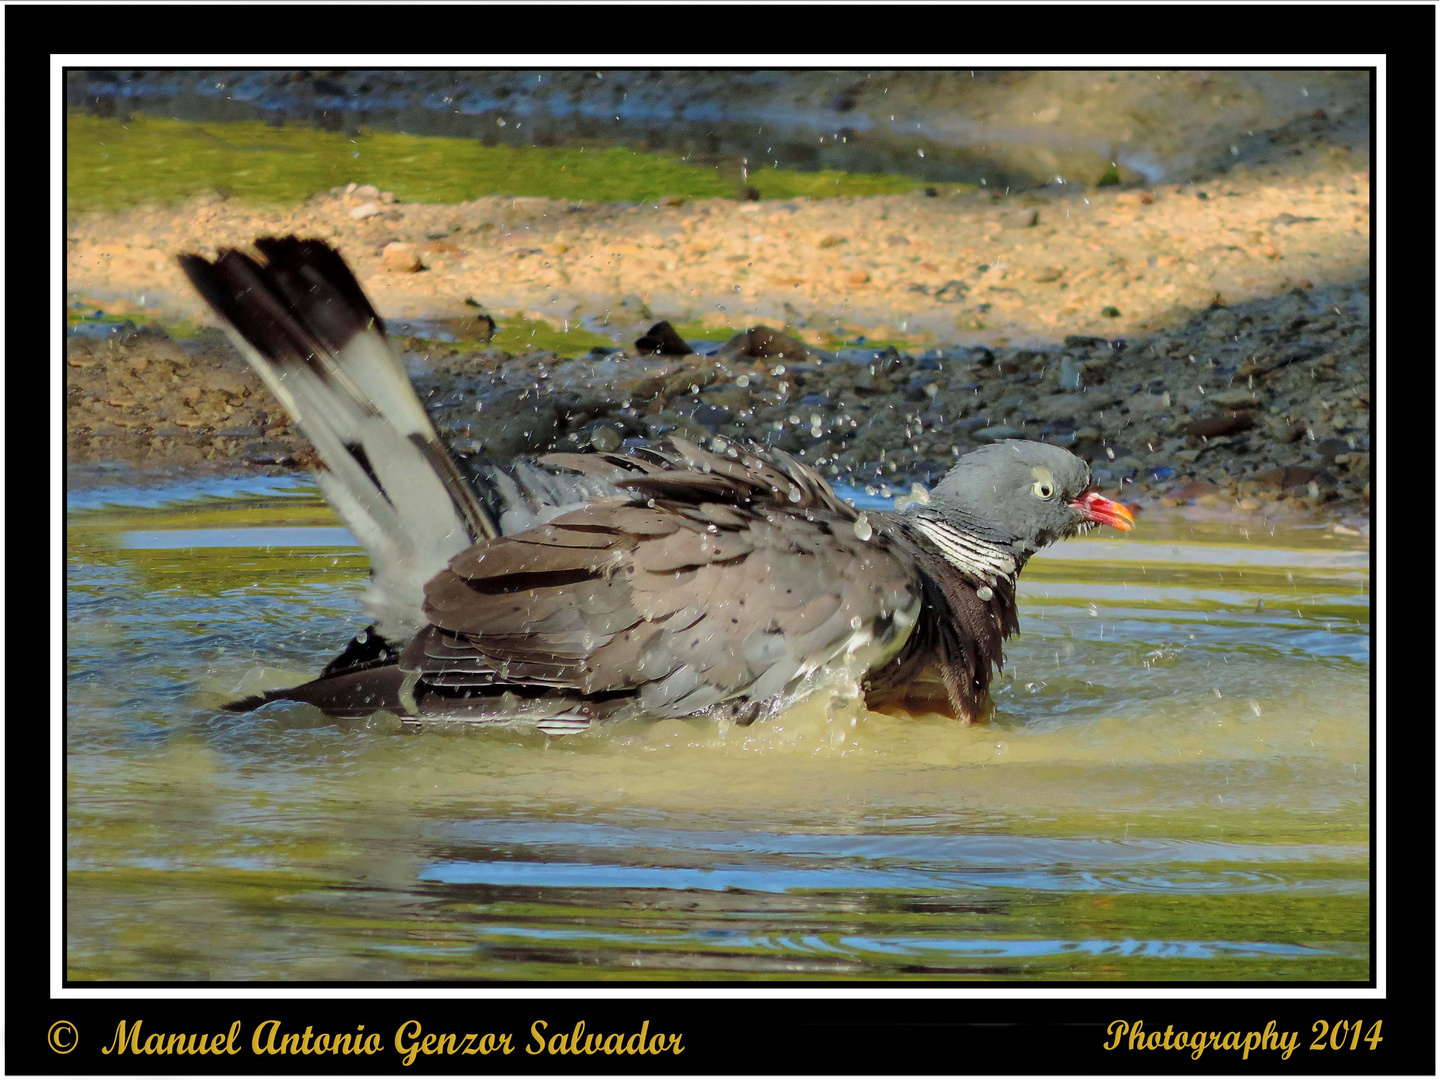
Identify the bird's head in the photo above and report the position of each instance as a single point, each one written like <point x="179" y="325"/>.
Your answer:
<point x="1022" y="496"/>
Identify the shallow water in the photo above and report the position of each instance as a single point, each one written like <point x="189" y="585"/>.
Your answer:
<point x="1175" y="784"/>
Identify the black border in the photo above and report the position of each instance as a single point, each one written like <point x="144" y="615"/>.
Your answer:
<point x="877" y="1035"/>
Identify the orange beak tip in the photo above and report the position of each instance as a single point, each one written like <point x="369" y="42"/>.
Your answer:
<point x="1095" y="507"/>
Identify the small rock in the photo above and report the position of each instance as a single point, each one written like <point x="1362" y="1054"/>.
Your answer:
<point x="1144" y="403"/>
<point x="668" y="422"/>
<point x="269" y="453"/>
<point x="481" y="327"/>
<point x="1047" y="274"/>
<point x="1284" y="478"/>
<point x="1110" y="311"/>
<point x="1020" y="219"/>
<point x="1356" y="463"/>
<point x="994" y="434"/>
<point x="857" y="277"/>
<point x="663" y="340"/>
<point x="1213" y="427"/>
<point x="401" y="258"/>
<point x="605" y="438"/>
<point x="1232" y="399"/>
<point x="1331" y="448"/>
<point x="762" y="343"/>
<point x="366" y="210"/>
<point x="1070" y="373"/>
<point x="980" y="356"/>
<point x="519" y="422"/>
<point x="221" y="380"/>
<point x="1183" y="494"/>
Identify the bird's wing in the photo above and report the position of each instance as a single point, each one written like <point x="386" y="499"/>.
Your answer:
<point x="673" y="604"/>
<point x="680" y="470"/>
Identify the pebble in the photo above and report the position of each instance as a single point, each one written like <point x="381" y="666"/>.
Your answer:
<point x="663" y="340"/>
<point x="401" y="258"/>
<point x="994" y="434"/>
<point x="1212" y="427"/>
<point x="1148" y="402"/>
<point x="1182" y="494"/>
<point x="605" y="438"/>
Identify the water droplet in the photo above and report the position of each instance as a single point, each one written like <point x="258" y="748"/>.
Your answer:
<point x="984" y="592"/>
<point x="855" y="622"/>
<point x="862" y="528"/>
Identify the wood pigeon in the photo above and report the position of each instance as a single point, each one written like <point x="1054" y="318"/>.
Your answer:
<point x="666" y="580"/>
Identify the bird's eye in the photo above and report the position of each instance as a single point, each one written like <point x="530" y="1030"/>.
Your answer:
<point x="1044" y="488"/>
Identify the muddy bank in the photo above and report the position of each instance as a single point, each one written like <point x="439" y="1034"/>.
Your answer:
<point x="1262" y="406"/>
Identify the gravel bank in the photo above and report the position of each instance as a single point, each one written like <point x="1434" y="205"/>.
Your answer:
<point x="1206" y="342"/>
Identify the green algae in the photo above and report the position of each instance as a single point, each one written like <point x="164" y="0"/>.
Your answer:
<point x="113" y="164"/>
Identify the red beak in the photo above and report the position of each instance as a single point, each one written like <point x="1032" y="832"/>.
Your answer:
<point x="1097" y="508"/>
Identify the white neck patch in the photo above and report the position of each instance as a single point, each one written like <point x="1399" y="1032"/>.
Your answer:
<point x="969" y="555"/>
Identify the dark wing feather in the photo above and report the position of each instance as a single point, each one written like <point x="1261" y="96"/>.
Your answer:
<point x="669" y="605"/>
<point x="681" y="471"/>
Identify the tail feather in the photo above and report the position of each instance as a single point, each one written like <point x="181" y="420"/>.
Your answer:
<point x="302" y="321"/>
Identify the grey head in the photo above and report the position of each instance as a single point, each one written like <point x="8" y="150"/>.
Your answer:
<point x="1021" y="496"/>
